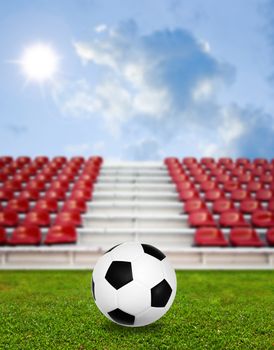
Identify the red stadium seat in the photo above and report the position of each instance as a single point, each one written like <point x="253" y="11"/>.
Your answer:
<point x="239" y="195"/>
<point x="208" y="185"/>
<point x="184" y="185"/>
<point x="13" y="185"/>
<point x="260" y="161"/>
<point x="8" y="218"/>
<point x="254" y="186"/>
<point x="271" y="205"/>
<point x="26" y="235"/>
<point x="195" y="204"/>
<point x="264" y="194"/>
<point x="57" y="184"/>
<point x="231" y="185"/>
<point x="22" y="176"/>
<point x="96" y="160"/>
<point x="20" y="205"/>
<point x="60" y="160"/>
<point x="237" y="172"/>
<point x="176" y="177"/>
<point x="188" y="194"/>
<point x="224" y="161"/>
<point x="23" y="160"/>
<point x="3" y="176"/>
<point x="242" y="161"/>
<point x="38" y="217"/>
<point x="72" y="217"/>
<point x="41" y="161"/>
<point x="79" y="205"/>
<point x="266" y="178"/>
<point x="61" y="234"/>
<point x="171" y="161"/>
<point x="233" y="218"/>
<point x="244" y="237"/>
<point x="250" y="205"/>
<point x="244" y="178"/>
<point x="213" y="195"/>
<point x="189" y="160"/>
<point x="6" y="159"/>
<point x="48" y="204"/>
<point x="221" y="205"/>
<point x="223" y="178"/>
<point x="36" y="184"/>
<point x="201" y="218"/>
<point x="3" y="237"/>
<point x="58" y="194"/>
<point x="30" y="194"/>
<point x="5" y="194"/>
<point x="258" y="171"/>
<point x="210" y="237"/>
<point x="81" y="194"/>
<point x="200" y="178"/>
<point x="78" y="160"/>
<point x="270" y="237"/>
<point x="263" y="218"/>
<point x="84" y="185"/>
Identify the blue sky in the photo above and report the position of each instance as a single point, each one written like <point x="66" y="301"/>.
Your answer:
<point x="140" y="80"/>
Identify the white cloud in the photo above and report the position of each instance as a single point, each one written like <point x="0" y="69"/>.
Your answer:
<point x="160" y="89"/>
<point x="101" y="28"/>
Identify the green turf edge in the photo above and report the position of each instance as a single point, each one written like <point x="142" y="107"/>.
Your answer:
<point x="212" y="310"/>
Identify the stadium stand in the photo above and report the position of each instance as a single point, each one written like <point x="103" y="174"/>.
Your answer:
<point x="207" y="213"/>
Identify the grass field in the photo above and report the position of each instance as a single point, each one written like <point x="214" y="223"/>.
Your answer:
<point x="212" y="310"/>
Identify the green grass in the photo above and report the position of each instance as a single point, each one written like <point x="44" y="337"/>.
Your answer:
<point x="212" y="310"/>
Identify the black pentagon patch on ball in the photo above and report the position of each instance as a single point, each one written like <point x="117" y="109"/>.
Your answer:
<point x="119" y="274"/>
<point x="122" y="317"/>
<point x="112" y="248"/>
<point x="160" y="294"/>
<point x="156" y="253"/>
<point x="93" y="288"/>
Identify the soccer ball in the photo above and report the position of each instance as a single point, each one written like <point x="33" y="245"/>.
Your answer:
<point x="133" y="284"/>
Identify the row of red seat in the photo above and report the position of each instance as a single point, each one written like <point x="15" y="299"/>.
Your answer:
<point x="231" y="218"/>
<point x="223" y="161"/>
<point x="220" y="205"/>
<point x="238" y="237"/>
<point x="31" y="235"/>
<point x="31" y="207"/>
<point x="229" y="201"/>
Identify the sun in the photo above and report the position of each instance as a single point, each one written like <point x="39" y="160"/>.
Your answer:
<point x="39" y="62"/>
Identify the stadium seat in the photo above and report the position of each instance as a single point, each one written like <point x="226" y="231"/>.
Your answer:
<point x="232" y="218"/>
<point x="239" y="195"/>
<point x="48" y="204"/>
<point x="223" y="178"/>
<point x="254" y="186"/>
<point x="264" y="194"/>
<point x="271" y="205"/>
<point x="201" y="218"/>
<point x="200" y="178"/>
<point x="61" y="234"/>
<point x="79" y="205"/>
<point x="194" y="204"/>
<point x="60" y="160"/>
<point x="260" y="161"/>
<point x="8" y="218"/>
<point x="23" y="176"/>
<point x="81" y="194"/>
<point x="72" y="217"/>
<point x="58" y="184"/>
<point x="210" y="237"/>
<point x="83" y="185"/>
<point x="249" y="206"/>
<point x="78" y="160"/>
<point x="3" y="176"/>
<point x="244" y="237"/>
<point x="224" y="161"/>
<point x="184" y="185"/>
<point x="41" y="161"/>
<point x="36" y="184"/>
<point x="242" y="161"/>
<point x="38" y="217"/>
<point x="5" y="194"/>
<point x="270" y="237"/>
<point x="189" y="160"/>
<point x="244" y="178"/>
<point x="213" y="195"/>
<point x="266" y="178"/>
<point x="30" y="194"/>
<point x="13" y="185"/>
<point x="20" y="205"/>
<point x="208" y="185"/>
<point x="262" y="218"/>
<point x="188" y="194"/>
<point x="3" y="237"/>
<point x="58" y="194"/>
<point x="6" y="160"/>
<point x="221" y="205"/>
<point x="230" y="186"/>
<point x="26" y="235"/>
<point x="23" y="160"/>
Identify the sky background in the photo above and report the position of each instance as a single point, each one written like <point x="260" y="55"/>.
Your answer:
<point x="140" y="80"/>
